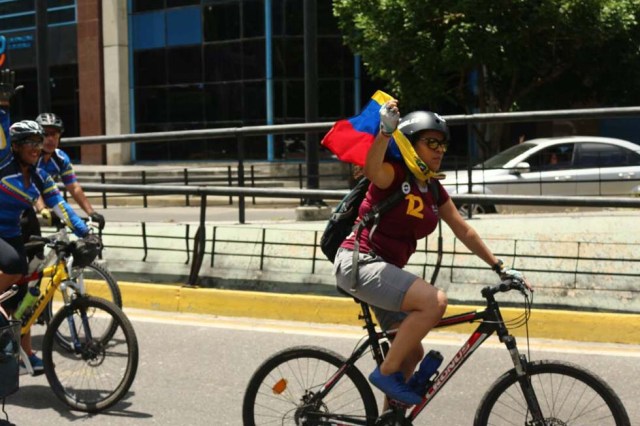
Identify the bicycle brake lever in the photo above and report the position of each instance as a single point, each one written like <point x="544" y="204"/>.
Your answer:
<point x="520" y="286"/>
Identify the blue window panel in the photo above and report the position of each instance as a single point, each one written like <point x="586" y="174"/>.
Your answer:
<point x="148" y="30"/>
<point x="184" y="26"/>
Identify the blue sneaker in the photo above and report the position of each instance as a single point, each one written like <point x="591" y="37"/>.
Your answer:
<point x="394" y="387"/>
<point x="36" y="364"/>
<point x="417" y="386"/>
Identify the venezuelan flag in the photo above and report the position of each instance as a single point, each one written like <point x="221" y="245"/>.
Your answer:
<point x="350" y="139"/>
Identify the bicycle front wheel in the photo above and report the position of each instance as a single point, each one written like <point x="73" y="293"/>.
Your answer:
<point x="282" y="391"/>
<point x="567" y="395"/>
<point x="98" y="371"/>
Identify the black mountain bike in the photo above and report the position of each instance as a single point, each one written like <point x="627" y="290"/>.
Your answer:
<point x="310" y="385"/>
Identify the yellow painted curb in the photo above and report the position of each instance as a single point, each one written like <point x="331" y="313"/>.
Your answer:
<point x="544" y="323"/>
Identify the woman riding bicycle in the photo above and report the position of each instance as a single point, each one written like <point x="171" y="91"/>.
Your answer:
<point x="21" y="183"/>
<point x="399" y="298"/>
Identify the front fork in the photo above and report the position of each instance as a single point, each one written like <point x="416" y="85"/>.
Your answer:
<point x="77" y="345"/>
<point x="524" y="379"/>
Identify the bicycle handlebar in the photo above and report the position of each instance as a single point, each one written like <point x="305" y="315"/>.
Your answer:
<point x="505" y="286"/>
<point x="51" y="241"/>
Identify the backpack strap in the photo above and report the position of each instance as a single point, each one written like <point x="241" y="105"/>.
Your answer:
<point x="373" y="217"/>
<point x="435" y="193"/>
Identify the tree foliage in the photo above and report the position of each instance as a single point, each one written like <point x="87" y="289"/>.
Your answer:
<point x="499" y="55"/>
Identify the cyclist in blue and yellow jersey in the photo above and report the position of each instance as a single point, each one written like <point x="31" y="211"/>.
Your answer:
<point x="21" y="184"/>
<point x="58" y="165"/>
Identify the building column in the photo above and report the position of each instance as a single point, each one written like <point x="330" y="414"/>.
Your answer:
<point x="90" y="74"/>
<point x="116" y="78"/>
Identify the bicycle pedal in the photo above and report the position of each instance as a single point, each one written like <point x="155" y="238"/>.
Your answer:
<point x="38" y="373"/>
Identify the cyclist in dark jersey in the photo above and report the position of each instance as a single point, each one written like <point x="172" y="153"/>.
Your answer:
<point x="58" y="165"/>
<point x="399" y="298"/>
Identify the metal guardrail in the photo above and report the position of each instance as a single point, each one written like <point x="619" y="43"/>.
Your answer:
<point x="454" y="120"/>
<point x="543" y="200"/>
<point x="186" y="177"/>
<point x="204" y="191"/>
<point x="241" y="132"/>
<point x="241" y="191"/>
<point x="265" y="250"/>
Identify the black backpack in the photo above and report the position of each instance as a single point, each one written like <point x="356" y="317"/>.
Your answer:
<point x="342" y="219"/>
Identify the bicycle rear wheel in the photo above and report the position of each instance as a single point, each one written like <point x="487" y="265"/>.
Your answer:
<point x="98" y="282"/>
<point x="281" y="391"/>
<point x="97" y="372"/>
<point x="567" y="395"/>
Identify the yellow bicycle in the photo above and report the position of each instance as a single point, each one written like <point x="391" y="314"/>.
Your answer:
<point x="90" y="349"/>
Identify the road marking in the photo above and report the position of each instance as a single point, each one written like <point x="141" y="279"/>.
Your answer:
<point x="356" y="333"/>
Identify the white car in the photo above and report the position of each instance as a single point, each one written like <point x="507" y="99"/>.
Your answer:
<point x="574" y="165"/>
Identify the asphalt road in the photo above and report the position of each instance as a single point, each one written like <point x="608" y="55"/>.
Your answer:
<point x="194" y="370"/>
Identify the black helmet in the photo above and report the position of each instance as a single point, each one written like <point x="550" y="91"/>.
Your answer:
<point x="49" y="119"/>
<point x="22" y="130"/>
<point x="417" y="121"/>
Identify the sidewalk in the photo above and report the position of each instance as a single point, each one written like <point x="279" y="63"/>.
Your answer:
<point x="279" y="288"/>
<point x="584" y="260"/>
<point x="282" y="282"/>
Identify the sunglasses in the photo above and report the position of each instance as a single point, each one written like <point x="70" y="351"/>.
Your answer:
<point x="434" y="143"/>
<point x="33" y="144"/>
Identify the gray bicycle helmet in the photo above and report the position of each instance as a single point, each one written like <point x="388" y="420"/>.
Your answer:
<point x="417" y="121"/>
<point x="22" y="130"/>
<point x="49" y="119"/>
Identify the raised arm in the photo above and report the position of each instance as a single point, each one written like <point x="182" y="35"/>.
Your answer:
<point x="375" y="168"/>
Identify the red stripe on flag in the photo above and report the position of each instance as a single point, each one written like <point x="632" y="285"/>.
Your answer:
<point x="347" y="143"/>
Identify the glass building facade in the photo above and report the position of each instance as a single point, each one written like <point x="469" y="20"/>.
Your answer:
<point x="18" y="25"/>
<point x="202" y="64"/>
<point x="197" y="64"/>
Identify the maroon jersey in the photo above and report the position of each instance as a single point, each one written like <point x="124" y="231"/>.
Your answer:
<point x="416" y="216"/>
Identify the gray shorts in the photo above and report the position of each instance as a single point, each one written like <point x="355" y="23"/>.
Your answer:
<point x="380" y="284"/>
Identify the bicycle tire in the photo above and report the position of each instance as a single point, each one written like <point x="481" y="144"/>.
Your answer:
<point x="99" y="282"/>
<point x="286" y="378"/>
<point x="99" y="373"/>
<point x="567" y="394"/>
